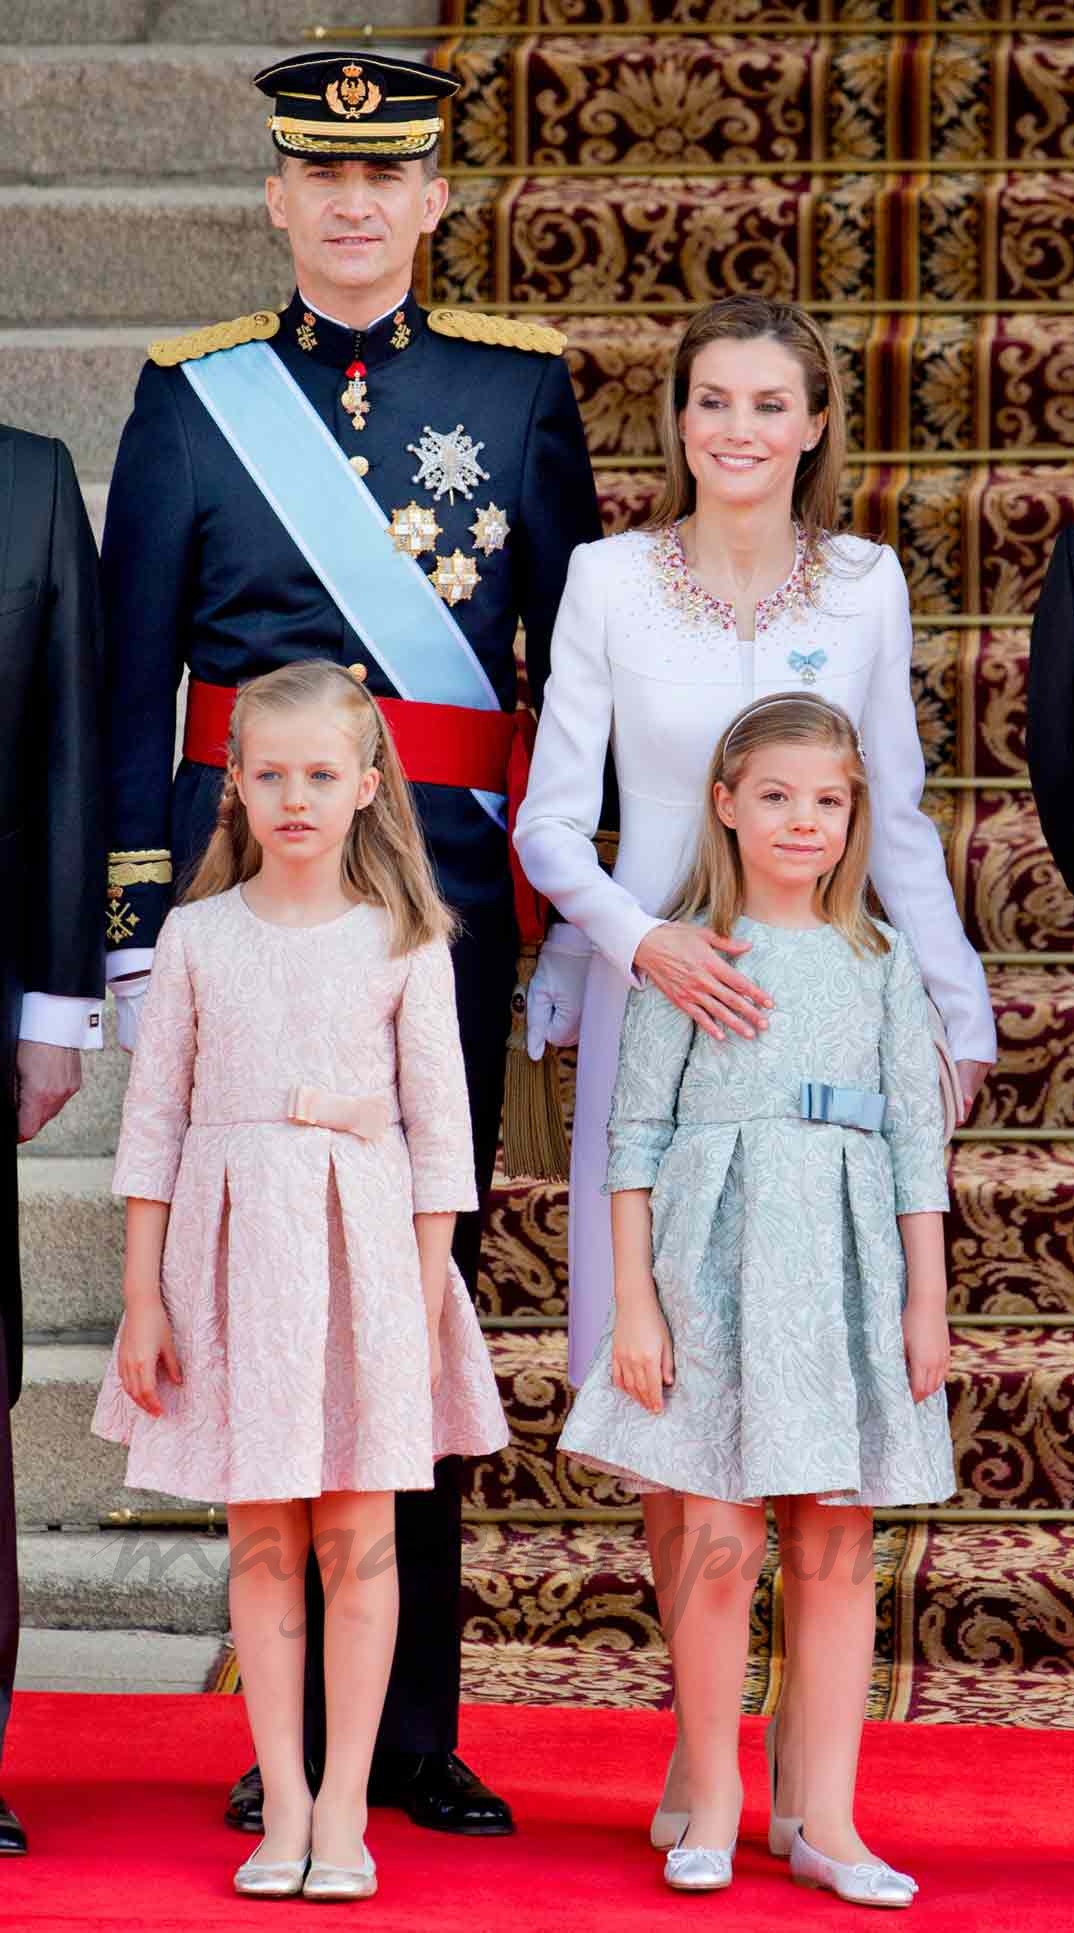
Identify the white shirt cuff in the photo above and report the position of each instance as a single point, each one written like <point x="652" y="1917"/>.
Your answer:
<point x="133" y="959"/>
<point x="62" y="1020"/>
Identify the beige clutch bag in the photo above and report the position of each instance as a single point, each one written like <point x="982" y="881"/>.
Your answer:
<point x="950" y="1085"/>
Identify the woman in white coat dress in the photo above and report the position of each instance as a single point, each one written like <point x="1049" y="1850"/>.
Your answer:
<point x="737" y="589"/>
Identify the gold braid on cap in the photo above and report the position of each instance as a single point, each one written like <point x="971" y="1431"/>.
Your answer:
<point x="471" y="325"/>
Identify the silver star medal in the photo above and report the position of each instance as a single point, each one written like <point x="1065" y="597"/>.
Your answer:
<point x="448" y="462"/>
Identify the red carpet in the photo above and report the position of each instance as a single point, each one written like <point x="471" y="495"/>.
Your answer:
<point x="122" y="1798"/>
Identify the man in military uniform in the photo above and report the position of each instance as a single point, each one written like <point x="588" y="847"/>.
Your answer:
<point x="463" y="436"/>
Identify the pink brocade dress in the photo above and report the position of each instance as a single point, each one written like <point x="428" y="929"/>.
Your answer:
<point x="290" y="1272"/>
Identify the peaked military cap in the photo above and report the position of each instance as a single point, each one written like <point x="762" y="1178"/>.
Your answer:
<point x="344" y="106"/>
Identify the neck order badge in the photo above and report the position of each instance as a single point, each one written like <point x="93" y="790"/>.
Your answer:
<point x="339" y="527"/>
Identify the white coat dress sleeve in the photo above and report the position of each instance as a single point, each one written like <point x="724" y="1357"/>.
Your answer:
<point x="907" y="862"/>
<point x="561" y="812"/>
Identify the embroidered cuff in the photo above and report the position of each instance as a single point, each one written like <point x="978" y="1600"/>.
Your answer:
<point x="144" y="866"/>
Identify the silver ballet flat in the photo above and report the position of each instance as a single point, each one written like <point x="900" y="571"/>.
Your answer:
<point x="870" y="1883"/>
<point x="280" y="1879"/>
<point x="699" y="1869"/>
<point x="781" y="1826"/>
<point x="341" y="1882"/>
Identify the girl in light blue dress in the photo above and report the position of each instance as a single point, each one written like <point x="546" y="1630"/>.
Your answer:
<point x="780" y="1292"/>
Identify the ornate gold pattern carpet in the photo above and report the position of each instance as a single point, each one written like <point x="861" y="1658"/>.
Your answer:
<point x="906" y="168"/>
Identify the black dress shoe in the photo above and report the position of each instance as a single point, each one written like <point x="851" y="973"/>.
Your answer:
<point x="439" y="1791"/>
<point x="12" y="1831"/>
<point x="247" y="1797"/>
<point x="245" y="1801"/>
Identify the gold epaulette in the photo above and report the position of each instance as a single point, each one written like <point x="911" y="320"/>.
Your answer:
<point x="470" y="325"/>
<point x="260" y="327"/>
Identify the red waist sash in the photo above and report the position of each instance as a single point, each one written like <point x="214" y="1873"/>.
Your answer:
<point x="481" y="751"/>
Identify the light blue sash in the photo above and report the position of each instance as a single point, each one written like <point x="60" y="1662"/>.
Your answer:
<point x="339" y="527"/>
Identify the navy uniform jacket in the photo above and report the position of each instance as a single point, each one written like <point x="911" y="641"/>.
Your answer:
<point x="198" y="570"/>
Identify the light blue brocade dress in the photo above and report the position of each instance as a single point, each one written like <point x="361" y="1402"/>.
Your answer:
<point x="776" y="1250"/>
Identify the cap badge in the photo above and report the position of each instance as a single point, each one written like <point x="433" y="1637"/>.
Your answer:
<point x="351" y="96"/>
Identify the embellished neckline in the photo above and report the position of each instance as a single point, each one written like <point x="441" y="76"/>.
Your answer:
<point x="700" y="606"/>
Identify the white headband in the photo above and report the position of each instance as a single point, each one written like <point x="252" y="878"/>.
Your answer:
<point x="790" y="698"/>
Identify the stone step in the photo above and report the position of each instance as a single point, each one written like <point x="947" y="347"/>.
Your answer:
<point x="122" y="254"/>
<point x="638" y="101"/>
<point x="63" y="1474"/>
<point x="82" y="23"/>
<point x="116" y="1661"/>
<point x="71" y="1242"/>
<point x="1011" y="1394"/>
<point x="139" y="112"/>
<point x="77" y="383"/>
<point x="943" y="383"/>
<point x="625" y="238"/>
<point x="124" y="1580"/>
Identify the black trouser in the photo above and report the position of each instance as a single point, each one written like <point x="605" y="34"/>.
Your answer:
<point x="9" y="1570"/>
<point x="421" y="1710"/>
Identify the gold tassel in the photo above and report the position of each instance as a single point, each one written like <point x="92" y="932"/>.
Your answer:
<point x="534" y="1131"/>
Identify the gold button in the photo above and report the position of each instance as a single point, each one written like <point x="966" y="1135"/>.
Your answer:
<point x="360" y="464"/>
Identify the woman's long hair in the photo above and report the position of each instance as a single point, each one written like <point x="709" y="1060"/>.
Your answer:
<point x="752" y="318"/>
<point x="715" y="887"/>
<point x="384" y="860"/>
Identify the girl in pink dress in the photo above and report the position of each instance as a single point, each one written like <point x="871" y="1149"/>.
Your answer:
<point x="295" y="1147"/>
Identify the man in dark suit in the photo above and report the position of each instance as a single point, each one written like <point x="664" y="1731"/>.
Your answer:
<point x="1050" y="722"/>
<point x="466" y="434"/>
<point x="52" y="869"/>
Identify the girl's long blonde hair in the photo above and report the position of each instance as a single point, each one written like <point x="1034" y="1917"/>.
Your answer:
<point x="715" y="887"/>
<point x="384" y="860"/>
<point x="749" y="318"/>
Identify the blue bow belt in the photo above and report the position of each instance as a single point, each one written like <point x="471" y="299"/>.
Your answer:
<point x="842" y="1107"/>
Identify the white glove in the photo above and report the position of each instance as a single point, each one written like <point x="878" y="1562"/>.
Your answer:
<point x="129" y="995"/>
<point x="554" y="1001"/>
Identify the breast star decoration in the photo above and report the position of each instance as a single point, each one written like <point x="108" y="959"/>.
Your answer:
<point x="455" y="577"/>
<point x="414" y="529"/>
<point x="447" y="461"/>
<point x="490" y="529"/>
